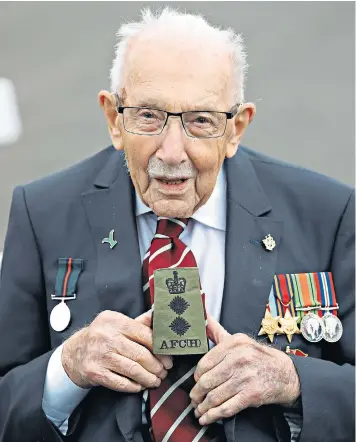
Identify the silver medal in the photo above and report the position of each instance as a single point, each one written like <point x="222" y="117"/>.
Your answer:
<point x="333" y="328"/>
<point x="60" y="317"/>
<point x="312" y="327"/>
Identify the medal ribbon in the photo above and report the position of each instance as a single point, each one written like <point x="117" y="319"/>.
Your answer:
<point x="68" y="273"/>
<point x="312" y="293"/>
<point x="326" y="293"/>
<point x="281" y="296"/>
<point x="305" y="293"/>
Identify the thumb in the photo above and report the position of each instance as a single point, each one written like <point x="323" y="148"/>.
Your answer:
<point x="216" y="331"/>
<point x="145" y="318"/>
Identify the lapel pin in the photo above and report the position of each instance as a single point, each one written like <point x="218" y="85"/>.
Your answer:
<point x="269" y="242"/>
<point x="110" y="240"/>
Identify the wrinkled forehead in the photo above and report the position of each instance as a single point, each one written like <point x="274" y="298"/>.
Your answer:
<point x="178" y="75"/>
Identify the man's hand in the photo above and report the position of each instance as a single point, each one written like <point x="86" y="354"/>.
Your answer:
<point x="115" y="351"/>
<point x="239" y="373"/>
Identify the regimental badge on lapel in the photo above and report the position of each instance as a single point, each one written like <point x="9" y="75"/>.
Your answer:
<point x="269" y="243"/>
<point x="110" y="239"/>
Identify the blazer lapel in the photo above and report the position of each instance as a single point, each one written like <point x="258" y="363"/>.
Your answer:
<point x="249" y="267"/>
<point x="110" y="206"/>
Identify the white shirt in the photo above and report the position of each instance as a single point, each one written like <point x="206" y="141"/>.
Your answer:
<point x="205" y="236"/>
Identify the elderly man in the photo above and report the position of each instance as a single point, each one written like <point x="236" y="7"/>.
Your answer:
<point x="86" y="248"/>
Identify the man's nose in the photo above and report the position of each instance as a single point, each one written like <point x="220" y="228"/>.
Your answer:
<point x="172" y="148"/>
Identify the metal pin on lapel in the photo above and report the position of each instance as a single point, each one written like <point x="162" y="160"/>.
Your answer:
<point x="269" y="242"/>
<point x="110" y="240"/>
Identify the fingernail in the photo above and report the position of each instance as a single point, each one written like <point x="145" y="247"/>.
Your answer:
<point x="194" y="404"/>
<point x="158" y="382"/>
<point x="196" y="413"/>
<point x="168" y="364"/>
<point x="202" y="420"/>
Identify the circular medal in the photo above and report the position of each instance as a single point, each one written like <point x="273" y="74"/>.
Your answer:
<point x="312" y="327"/>
<point x="333" y="327"/>
<point x="60" y="317"/>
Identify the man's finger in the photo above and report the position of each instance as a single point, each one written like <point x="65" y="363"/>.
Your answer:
<point x="132" y="370"/>
<point x="145" y="318"/>
<point x="216" y="331"/>
<point x="140" y="354"/>
<point x="216" y="354"/>
<point x="166" y="360"/>
<point x="223" y="411"/>
<point x="209" y="381"/>
<point x="216" y="397"/>
<point x="209" y="361"/>
<point x="113" y="381"/>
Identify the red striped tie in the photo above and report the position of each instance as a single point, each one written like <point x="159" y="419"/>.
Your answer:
<point x="172" y="416"/>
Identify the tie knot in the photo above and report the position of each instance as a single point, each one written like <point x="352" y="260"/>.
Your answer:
<point x="171" y="227"/>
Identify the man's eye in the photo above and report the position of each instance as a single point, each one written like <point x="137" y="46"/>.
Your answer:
<point x="147" y="114"/>
<point x="202" y="120"/>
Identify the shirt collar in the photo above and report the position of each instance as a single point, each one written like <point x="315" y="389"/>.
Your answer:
<point x="212" y="213"/>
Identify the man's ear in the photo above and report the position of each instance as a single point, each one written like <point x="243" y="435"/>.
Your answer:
<point x="108" y="104"/>
<point x="241" y="121"/>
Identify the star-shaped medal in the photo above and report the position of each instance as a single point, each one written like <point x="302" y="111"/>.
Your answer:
<point x="290" y="325"/>
<point x="269" y="325"/>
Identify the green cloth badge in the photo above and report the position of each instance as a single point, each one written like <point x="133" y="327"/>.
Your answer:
<point x="178" y="318"/>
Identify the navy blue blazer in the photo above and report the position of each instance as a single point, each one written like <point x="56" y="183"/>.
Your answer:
<point x="311" y="218"/>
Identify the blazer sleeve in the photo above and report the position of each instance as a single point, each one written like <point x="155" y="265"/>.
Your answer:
<point x="328" y="384"/>
<point x="24" y="337"/>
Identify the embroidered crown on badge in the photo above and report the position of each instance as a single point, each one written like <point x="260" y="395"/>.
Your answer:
<point x="176" y="285"/>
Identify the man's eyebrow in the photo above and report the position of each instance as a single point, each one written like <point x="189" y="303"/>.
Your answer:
<point x="156" y="104"/>
<point x="203" y="104"/>
<point x="206" y="105"/>
<point x="150" y="103"/>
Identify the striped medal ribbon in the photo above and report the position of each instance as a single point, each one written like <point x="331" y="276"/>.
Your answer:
<point x="281" y="305"/>
<point x="68" y="273"/>
<point x="314" y="302"/>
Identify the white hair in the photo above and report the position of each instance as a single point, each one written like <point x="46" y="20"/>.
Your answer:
<point x="192" y="25"/>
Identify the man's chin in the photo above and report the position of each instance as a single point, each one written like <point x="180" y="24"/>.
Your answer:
<point x="173" y="208"/>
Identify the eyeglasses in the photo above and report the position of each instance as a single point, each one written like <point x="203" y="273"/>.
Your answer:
<point x="197" y="124"/>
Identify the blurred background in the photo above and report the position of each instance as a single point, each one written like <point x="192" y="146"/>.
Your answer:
<point x="56" y="56"/>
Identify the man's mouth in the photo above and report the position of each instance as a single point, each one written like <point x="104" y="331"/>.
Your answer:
<point x="172" y="181"/>
<point x="174" y="185"/>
